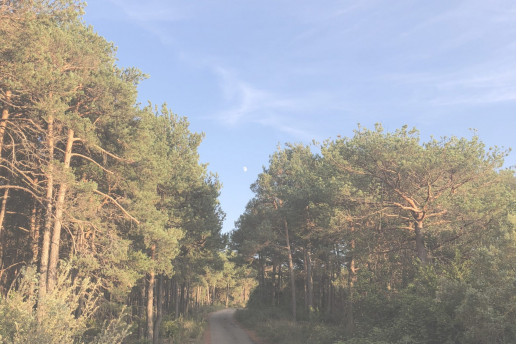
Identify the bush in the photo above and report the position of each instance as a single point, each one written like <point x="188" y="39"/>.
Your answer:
<point x="66" y="312"/>
<point x="186" y="329"/>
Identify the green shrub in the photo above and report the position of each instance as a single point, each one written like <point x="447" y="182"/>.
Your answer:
<point x="66" y="313"/>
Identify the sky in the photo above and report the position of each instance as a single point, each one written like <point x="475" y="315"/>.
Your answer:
<point x="255" y="74"/>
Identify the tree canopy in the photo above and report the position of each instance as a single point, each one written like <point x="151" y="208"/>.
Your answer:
<point x="382" y="233"/>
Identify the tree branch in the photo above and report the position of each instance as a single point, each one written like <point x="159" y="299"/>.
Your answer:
<point x="118" y="205"/>
<point x="93" y="161"/>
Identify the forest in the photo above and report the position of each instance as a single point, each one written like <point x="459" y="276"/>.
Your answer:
<point x="381" y="238"/>
<point x="111" y="226"/>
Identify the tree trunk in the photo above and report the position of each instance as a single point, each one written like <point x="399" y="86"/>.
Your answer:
<point x="187" y="299"/>
<point x="150" y="306"/>
<point x="2" y="217"/>
<point x="292" y="273"/>
<point x="58" y="219"/>
<point x="309" y="280"/>
<point x="350" y="319"/>
<point x="176" y="297"/>
<point x="420" y="245"/>
<point x="159" y="310"/>
<point x="182" y="299"/>
<point x="261" y="280"/>
<point x="208" y="295"/>
<point x="3" y="122"/>
<point x="197" y="293"/>
<point x="34" y="232"/>
<point x="150" y="301"/>
<point x="227" y="294"/>
<point x="305" y="285"/>
<point x="273" y="282"/>
<point x="141" y="312"/>
<point x="280" y="279"/>
<point x="45" y="245"/>
<point x="168" y="295"/>
<point x="3" y="125"/>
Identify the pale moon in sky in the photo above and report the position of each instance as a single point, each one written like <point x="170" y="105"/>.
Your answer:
<point x="245" y="168"/>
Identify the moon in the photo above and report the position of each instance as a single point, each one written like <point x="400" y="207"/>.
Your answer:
<point x="244" y="168"/>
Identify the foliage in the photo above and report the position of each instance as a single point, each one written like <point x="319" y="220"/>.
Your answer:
<point x="188" y="329"/>
<point x="69" y="311"/>
<point x="394" y="239"/>
<point x="86" y="173"/>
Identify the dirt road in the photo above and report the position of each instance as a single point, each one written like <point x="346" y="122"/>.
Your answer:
<point x="224" y="330"/>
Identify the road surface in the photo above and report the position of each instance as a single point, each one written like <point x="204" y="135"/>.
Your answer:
<point x="224" y="330"/>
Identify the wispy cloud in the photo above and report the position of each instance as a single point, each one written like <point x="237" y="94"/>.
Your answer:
<point x="487" y="83"/>
<point x="243" y="99"/>
<point x="245" y="103"/>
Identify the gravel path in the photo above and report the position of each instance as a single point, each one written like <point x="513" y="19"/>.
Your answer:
<point x="224" y="330"/>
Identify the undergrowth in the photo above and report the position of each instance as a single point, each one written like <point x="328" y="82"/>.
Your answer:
<point x="189" y="329"/>
<point x="271" y="325"/>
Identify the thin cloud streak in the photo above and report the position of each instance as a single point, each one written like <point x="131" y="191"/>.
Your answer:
<point x="489" y="82"/>
<point x="248" y="104"/>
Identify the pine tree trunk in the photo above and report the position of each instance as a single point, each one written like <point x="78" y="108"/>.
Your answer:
<point x="273" y="282"/>
<point x="2" y="217"/>
<point x="3" y="122"/>
<point x="45" y="245"/>
<point x="141" y="312"/>
<point x="305" y="285"/>
<point x="159" y="310"/>
<point x="3" y="125"/>
<point x="280" y="275"/>
<point x="261" y="278"/>
<point x="310" y="282"/>
<point x="227" y="294"/>
<point x="420" y="245"/>
<point x="350" y="322"/>
<point x="291" y="270"/>
<point x="176" y="297"/>
<point x="58" y="219"/>
<point x="350" y="319"/>
<point x="182" y="299"/>
<point x="34" y="232"/>
<point x="150" y="301"/>
<point x="168" y="291"/>
<point x="150" y="306"/>
<point x="187" y="299"/>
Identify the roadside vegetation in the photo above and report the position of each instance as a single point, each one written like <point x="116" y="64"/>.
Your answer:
<point x="110" y="225"/>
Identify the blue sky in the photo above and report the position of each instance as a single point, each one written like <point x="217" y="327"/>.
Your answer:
<point x="253" y="74"/>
